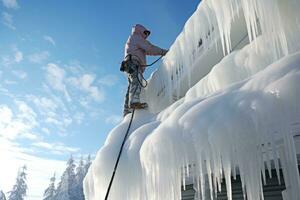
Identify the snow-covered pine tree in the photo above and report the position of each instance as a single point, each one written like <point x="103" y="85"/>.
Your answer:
<point x="50" y="191"/>
<point x="67" y="185"/>
<point x="80" y="174"/>
<point x="19" y="189"/>
<point x="2" y="195"/>
<point x="87" y="163"/>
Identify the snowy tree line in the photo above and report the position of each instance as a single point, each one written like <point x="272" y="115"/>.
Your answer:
<point x="70" y="186"/>
<point x="19" y="189"/>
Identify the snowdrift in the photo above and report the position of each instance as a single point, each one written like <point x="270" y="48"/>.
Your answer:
<point x="235" y="116"/>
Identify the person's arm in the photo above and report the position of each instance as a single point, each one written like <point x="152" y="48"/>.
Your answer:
<point x="151" y="49"/>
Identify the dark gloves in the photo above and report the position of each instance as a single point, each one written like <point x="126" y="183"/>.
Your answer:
<point x="164" y="52"/>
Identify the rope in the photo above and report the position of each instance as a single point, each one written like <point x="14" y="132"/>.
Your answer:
<point x="153" y="62"/>
<point x="119" y="156"/>
<point x="143" y="79"/>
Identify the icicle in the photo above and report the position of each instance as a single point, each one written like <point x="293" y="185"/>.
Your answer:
<point x="276" y="160"/>
<point x="262" y="164"/>
<point x="183" y="178"/>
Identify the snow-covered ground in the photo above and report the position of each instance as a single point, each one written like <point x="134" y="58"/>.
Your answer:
<point x="238" y="115"/>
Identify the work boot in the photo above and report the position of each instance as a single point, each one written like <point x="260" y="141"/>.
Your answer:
<point x="138" y="105"/>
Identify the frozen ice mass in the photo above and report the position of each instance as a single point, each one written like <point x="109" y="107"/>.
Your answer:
<point x="225" y="101"/>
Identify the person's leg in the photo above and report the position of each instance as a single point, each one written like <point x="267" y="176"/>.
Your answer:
<point x="126" y="103"/>
<point x="135" y="91"/>
<point x="135" y="88"/>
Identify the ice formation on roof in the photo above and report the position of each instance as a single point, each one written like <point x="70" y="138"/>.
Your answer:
<point x="216" y="28"/>
<point x="236" y="115"/>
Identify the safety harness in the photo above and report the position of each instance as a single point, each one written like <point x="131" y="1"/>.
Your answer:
<point x="128" y="63"/>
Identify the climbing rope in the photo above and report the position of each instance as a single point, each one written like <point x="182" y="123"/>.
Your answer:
<point x="119" y="156"/>
<point x="142" y="76"/>
<point x="142" y="80"/>
<point x="153" y="62"/>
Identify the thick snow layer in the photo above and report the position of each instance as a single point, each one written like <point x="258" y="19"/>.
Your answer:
<point x="224" y="131"/>
<point x="235" y="67"/>
<point x="216" y="28"/>
<point x="214" y="134"/>
<point x="215" y="118"/>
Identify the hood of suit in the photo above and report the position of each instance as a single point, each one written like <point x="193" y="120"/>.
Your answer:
<point x="139" y="29"/>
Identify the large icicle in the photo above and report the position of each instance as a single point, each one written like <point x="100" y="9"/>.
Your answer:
<point x="216" y="28"/>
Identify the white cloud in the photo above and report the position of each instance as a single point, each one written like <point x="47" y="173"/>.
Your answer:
<point x="85" y="83"/>
<point x="54" y="121"/>
<point x="30" y="136"/>
<point x="39" y="57"/>
<point x="73" y="83"/>
<point x="7" y="20"/>
<point x="26" y="113"/>
<point x="84" y="102"/>
<point x="60" y="122"/>
<point x="56" y="148"/>
<point x="55" y="98"/>
<point x="75" y="67"/>
<point x="6" y="114"/>
<point x="53" y="112"/>
<point x="52" y="109"/>
<point x="19" y="124"/>
<point x="56" y="79"/>
<point x="18" y="56"/>
<point x="46" y="130"/>
<point x="5" y="60"/>
<point x="10" y="82"/>
<point x="5" y="91"/>
<point x="79" y="116"/>
<point x="55" y="76"/>
<point x="20" y="74"/>
<point x="67" y="121"/>
<point x="113" y="119"/>
<point x="45" y="105"/>
<point x="109" y="80"/>
<point x="10" y="4"/>
<point x="50" y="40"/>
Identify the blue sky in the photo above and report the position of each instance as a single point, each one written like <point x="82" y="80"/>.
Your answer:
<point x="61" y="91"/>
